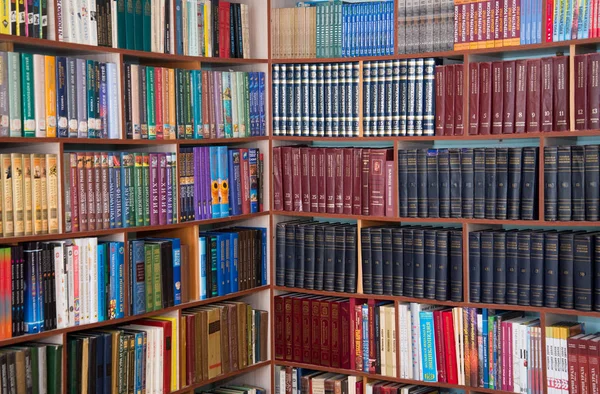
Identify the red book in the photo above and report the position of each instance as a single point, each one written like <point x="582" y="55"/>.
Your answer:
<point x="508" y="97"/>
<point x="348" y="180"/>
<point x="297" y="328"/>
<point x="377" y="161"/>
<point x="277" y="180"/>
<point x="389" y="189"/>
<point x="286" y="162"/>
<point x="90" y="188"/>
<point x="533" y="95"/>
<point x="330" y="167"/>
<point x="314" y="179"/>
<point x="306" y="330"/>
<point x="582" y="364"/>
<point x="440" y="95"/>
<point x="473" y="98"/>
<point x="549" y="20"/>
<point x="573" y="363"/>
<point x="345" y="339"/>
<point x="288" y="380"/>
<point x="296" y="181"/>
<point x="560" y="97"/>
<point x="190" y="339"/>
<point x="321" y="165"/>
<point x="498" y="20"/>
<point x="459" y="103"/>
<point x="158" y="86"/>
<point x="485" y="98"/>
<point x="336" y="334"/>
<point x="325" y="324"/>
<point x="449" y="101"/>
<point x="593" y="94"/>
<point x="520" y="96"/>
<point x="372" y="344"/>
<point x="547" y="82"/>
<point x="581" y="100"/>
<point x="497" y="97"/>
<point x="450" y="347"/>
<point x="74" y="193"/>
<point x="315" y="321"/>
<point x="205" y="110"/>
<point x="594" y="364"/>
<point x="365" y="183"/>
<point x="339" y="180"/>
<point x="167" y="336"/>
<point x="357" y="181"/>
<point x="245" y="179"/>
<point x="224" y="28"/>
<point x="289" y="324"/>
<point x="440" y="347"/>
<point x="305" y="180"/>
<point x="279" y="330"/>
<point x="358" y="346"/>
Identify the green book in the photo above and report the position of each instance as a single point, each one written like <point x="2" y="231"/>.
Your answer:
<point x="72" y="366"/>
<point x="188" y="111"/>
<point x="54" y="368"/>
<point x="151" y="103"/>
<point x="28" y="114"/>
<point x="240" y="103"/>
<point x="156" y="270"/>
<point x="122" y="363"/>
<point x="130" y="31"/>
<point x="149" y="284"/>
<point x="91" y="97"/>
<point x="147" y="24"/>
<point x="179" y="103"/>
<point x="14" y="90"/>
<point x="138" y="24"/>
<point x="121" y="25"/>
<point x="146" y="188"/>
<point x="137" y="188"/>
<point x="35" y="368"/>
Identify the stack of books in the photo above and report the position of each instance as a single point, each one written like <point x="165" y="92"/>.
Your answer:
<point x="243" y="389"/>
<point x="570" y="20"/>
<point x="314" y="382"/>
<point x="586" y="92"/>
<point x="578" y="354"/>
<point x="33" y="366"/>
<point x="425" y="27"/>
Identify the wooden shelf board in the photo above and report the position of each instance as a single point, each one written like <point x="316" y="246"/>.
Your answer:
<point x="102" y="141"/>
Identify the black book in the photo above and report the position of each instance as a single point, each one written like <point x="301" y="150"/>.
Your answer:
<point x="430" y="263"/>
<point x="550" y="183"/>
<point x="592" y="180"/>
<point x="319" y="256"/>
<point x="339" y="268"/>
<point x="398" y="262"/>
<point x="418" y="263"/>
<point x="234" y="31"/>
<point x="596" y="272"/>
<point x="537" y="268"/>
<point x="329" y="261"/>
<point x="551" y="269"/>
<point x="309" y="256"/>
<point x="564" y="183"/>
<point x="350" y="255"/>
<point x="407" y="238"/>
<point x="365" y="242"/>
<point x="583" y="271"/>
<point x="215" y="28"/>
<point x="128" y="103"/>
<point x="479" y="179"/>
<point x="444" y="182"/>
<point x="490" y="184"/>
<point x="299" y="256"/>
<point x="240" y="44"/>
<point x="441" y="261"/>
<point x="475" y="267"/>
<point x="403" y="182"/>
<point x="499" y="256"/>
<point x="455" y="184"/>
<point x="432" y="206"/>
<point x="411" y="181"/>
<point x="565" y="266"/>
<point x="487" y="266"/>
<point x="501" y="183"/>
<point x="290" y="255"/>
<point x="529" y="184"/>
<point x="376" y="258"/>
<point x="512" y="268"/>
<point x="386" y="247"/>
<point x="515" y="164"/>
<point x="524" y="268"/>
<point x="422" y="175"/>
<point x="466" y="169"/>
<point x="166" y="265"/>
<point x="577" y="182"/>
<point x="456" y="266"/>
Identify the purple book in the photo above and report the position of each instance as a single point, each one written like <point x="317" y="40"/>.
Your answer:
<point x="207" y="182"/>
<point x="154" y="202"/>
<point x="170" y="164"/>
<point x="199" y="184"/>
<point x="218" y="104"/>
<point x="162" y="190"/>
<point x="193" y="189"/>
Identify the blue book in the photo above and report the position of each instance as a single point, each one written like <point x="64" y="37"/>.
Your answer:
<point x="178" y="28"/>
<point x="304" y="97"/>
<point x="525" y="22"/>
<point x="367" y="99"/>
<point x="202" y="253"/>
<point x="275" y="75"/>
<point x="223" y="177"/>
<point x="419" y="97"/>
<point x="113" y="296"/>
<point x="214" y="179"/>
<point x="234" y="261"/>
<point x="100" y="341"/>
<point x="137" y="262"/>
<point x="32" y="275"/>
<point x="586" y="19"/>
<point x="297" y="100"/>
<point x="235" y="185"/>
<point x="289" y="94"/>
<point x="222" y="278"/>
<point x="410" y="96"/>
<point x="395" y="98"/>
<point x="253" y="164"/>
<point x="538" y="15"/>
<point x="556" y="22"/>
<point x="197" y="102"/>
<point x="261" y="104"/>
<point x="107" y="358"/>
<point x="428" y="347"/>
<point x="101" y="259"/>
<point x="381" y="76"/>
<point x="283" y="98"/>
<point x="61" y="98"/>
<point x="355" y="98"/>
<point x="403" y="97"/>
<point x="120" y="250"/>
<point x="374" y="97"/>
<point x="365" y="337"/>
<point x="568" y="24"/>
<point x="429" y="96"/>
<point x="320" y="99"/>
<point x="335" y="99"/>
<point x="312" y="99"/>
<point x="486" y="361"/>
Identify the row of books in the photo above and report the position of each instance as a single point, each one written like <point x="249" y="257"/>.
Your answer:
<point x="60" y="284"/>
<point x="333" y="29"/>
<point x="449" y="99"/>
<point x="213" y="29"/>
<point x="518" y="96"/>
<point x="231" y="260"/>
<point x="25" y="19"/>
<point x="303" y="380"/>
<point x="398" y="97"/>
<point x="419" y="262"/>
<point x="166" y="103"/>
<point x="571" y="182"/>
<point x="316" y="255"/>
<point x="317" y="100"/>
<point x="29" y="188"/>
<point x="56" y="96"/>
<point x="490" y="183"/>
<point x="32" y="367"/>
<point x="239" y="389"/>
<point x="579" y="374"/>
<point x="333" y="180"/>
<point x="218" y="182"/>
<point x="310" y="330"/>
<point x="532" y="267"/>
<point x="119" y="189"/>
<point x="155" y="274"/>
<point x="587" y="93"/>
<point x="425" y="27"/>
<point x="569" y="20"/>
<point x="471" y="347"/>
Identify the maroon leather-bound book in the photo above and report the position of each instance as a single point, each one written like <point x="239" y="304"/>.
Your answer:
<point x="289" y="327"/>
<point x="339" y="180"/>
<point x="572" y="356"/>
<point x="459" y="102"/>
<point x="485" y="98"/>
<point x="581" y="81"/>
<point x="314" y="179"/>
<point x="582" y="363"/>
<point x="365" y="193"/>
<point x="345" y="343"/>
<point x="547" y="87"/>
<point x="357" y="181"/>
<point x="560" y="73"/>
<point x="508" y="94"/>
<point x="533" y="95"/>
<point x="297" y="328"/>
<point x="377" y="161"/>
<point x="335" y="334"/>
<point x="296" y="181"/>
<point x="306" y="330"/>
<point x="440" y="97"/>
<point x="497" y="97"/>
<point x="389" y="188"/>
<point x="474" y="98"/>
<point x="593" y="94"/>
<point x="277" y="180"/>
<point x="279" y="328"/>
<point x="347" y="184"/>
<point x="325" y="324"/>
<point x="330" y="179"/>
<point x="315" y="337"/>
<point x="520" y="96"/>
<point x="449" y="102"/>
<point x="594" y="363"/>
<point x="321" y="166"/>
<point x="305" y="181"/>
<point x="372" y="344"/>
<point x="286" y="163"/>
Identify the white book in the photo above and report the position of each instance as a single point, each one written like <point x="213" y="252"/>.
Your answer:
<point x="115" y="30"/>
<point x="282" y="388"/>
<point x="294" y="380"/>
<point x="114" y="130"/>
<point x="39" y="80"/>
<point x="245" y="31"/>
<point x="83" y="35"/>
<point x="84" y="312"/>
<point x="61" y="284"/>
<point x="92" y="23"/>
<point x="391" y="322"/>
<point x="383" y="340"/>
<point x="162" y="26"/>
<point x="159" y="360"/>
<point x="193" y="27"/>
<point x="235" y="118"/>
<point x="415" y="330"/>
<point x="74" y="305"/>
<point x="404" y="338"/>
<point x="135" y="102"/>
<point x="92" y="257"/>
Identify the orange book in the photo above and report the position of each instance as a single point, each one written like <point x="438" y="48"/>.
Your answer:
<point x="50" y="65"/>
<point x="171" y="100"/>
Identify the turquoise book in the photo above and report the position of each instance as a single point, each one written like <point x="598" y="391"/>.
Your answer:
<point x="226" y="77"/>
<point x="428" y="347"/>
<point x="137" y="261"/>
<point x="223" y="178"/>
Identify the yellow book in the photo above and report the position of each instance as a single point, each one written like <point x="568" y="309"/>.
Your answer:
<point x="27" y="192"/>
<point x="172" y="110"/>
<point x="44" y="193"/>
<point x="17" y="186"/>
<point x="184" y="350"/>
<point x="52" y="180"/>
<point x="36" y="192"/>
<point x="50" y="63"/>
<point x="207" y="31"/>
<point x="5" y="17"/>
<point x="175" y="363"/>
<point x="8" y="228"/>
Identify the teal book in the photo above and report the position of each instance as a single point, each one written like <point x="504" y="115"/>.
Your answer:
<point x="138" y="24"/>
<point x="147" y="24"/>
<point x="121" y="25"/>
<point x="28" y="113"/>
<point x="130" y="31"/>
<point x="246" y="104"/>
<point x="137" y="262"/>
<point x="226" y="76"/>
<point x="150" y="102"/>
<point x="428" y="359"/>
<point x="14" y="90"/>
<point x="197" y="96"/>
<point x="101" y="256"/>
<point x="91" y="97"/>
<point x="138" y="163"/>
<point x="223" y="178"/>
